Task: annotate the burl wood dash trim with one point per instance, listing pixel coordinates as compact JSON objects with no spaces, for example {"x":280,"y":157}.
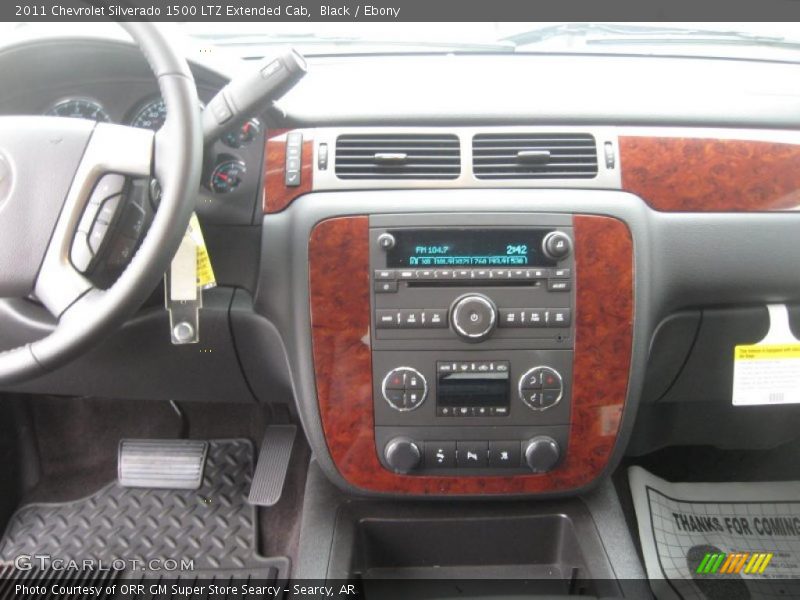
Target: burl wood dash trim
{"x":711,"y":175}
{"x":340,"y":321}
{"x":276,"y":195}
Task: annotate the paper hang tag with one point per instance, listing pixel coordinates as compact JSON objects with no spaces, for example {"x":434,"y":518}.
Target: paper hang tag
{"x":768,"y":373}
{"x":205,"y":272}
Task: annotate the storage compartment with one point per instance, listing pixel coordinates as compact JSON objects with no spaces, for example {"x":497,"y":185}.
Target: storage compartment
{"x":476,"y":551}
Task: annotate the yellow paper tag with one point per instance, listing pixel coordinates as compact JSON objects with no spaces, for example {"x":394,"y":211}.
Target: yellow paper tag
{"x":767,"y":351}
{"x":205,"y":272}
{"x":765,"y":374}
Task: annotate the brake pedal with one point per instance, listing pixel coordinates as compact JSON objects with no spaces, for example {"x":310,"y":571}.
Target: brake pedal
{"x":164,"y":464}
{"x":272,"y":465}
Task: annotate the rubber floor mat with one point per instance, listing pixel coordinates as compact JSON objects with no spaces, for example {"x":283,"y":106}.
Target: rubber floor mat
{"x":209,"y":532}
{"x":718,"y":541}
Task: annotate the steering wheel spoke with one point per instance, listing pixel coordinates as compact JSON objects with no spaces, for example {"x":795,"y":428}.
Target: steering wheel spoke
{"x":100,"y":156}
{"x":113,"y":152}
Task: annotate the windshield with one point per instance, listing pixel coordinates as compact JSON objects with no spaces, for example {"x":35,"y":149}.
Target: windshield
{"x":771,"y":41}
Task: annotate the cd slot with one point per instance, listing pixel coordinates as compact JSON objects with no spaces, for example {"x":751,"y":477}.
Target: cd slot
{"x":475,"y":283}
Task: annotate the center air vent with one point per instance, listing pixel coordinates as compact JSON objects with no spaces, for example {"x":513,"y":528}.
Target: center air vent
{"x":398,"y":156}
{"x":534,"y":156}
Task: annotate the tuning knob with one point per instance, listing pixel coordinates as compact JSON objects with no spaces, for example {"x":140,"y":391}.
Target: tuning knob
{"x":542,"y":453}
{"x":402,"y":454}
{"x":473,"y":317}
{"x":556,"y":245}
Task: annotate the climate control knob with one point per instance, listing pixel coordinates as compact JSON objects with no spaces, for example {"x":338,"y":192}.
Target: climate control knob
{"x":473,"y":317}
{"x":542,"y":453}
{"x":402,"y":455}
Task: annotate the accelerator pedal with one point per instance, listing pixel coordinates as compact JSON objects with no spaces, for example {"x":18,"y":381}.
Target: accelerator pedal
{"x":272,"y":465}
{"x":163,"y":464}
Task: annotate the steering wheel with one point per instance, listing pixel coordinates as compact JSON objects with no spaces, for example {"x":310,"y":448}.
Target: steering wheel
{"x":49,"y":168}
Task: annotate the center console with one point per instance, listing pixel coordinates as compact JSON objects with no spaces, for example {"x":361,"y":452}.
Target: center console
{"x":470,"y":353}
{"x":472,"y":344}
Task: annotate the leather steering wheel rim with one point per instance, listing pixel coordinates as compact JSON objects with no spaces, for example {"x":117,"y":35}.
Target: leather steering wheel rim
{"x":85,"y":313}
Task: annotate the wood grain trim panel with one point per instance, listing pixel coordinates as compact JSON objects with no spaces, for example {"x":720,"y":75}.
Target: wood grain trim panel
{"x":276,"y":195}
{"x":711,"y":175}
{"x":339,"y":296}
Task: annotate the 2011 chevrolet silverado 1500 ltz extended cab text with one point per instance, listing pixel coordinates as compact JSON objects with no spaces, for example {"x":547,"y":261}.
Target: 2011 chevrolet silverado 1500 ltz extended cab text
{"x":399,"y":310}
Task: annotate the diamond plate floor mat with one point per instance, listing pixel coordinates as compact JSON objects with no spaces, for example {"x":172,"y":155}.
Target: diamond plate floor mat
{"x":209,"y":532}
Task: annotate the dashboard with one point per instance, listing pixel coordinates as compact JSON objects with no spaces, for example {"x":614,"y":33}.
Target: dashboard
{"x":460,"y":282}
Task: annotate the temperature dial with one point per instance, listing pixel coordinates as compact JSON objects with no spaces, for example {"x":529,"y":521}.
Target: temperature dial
{"x":227,"y":176}
{"x":404,"y":388}
{"x":541,"y":388}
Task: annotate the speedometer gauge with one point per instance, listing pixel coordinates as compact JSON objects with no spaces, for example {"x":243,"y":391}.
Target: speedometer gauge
{"x":79,"y":108}
{"x":151,"y":116}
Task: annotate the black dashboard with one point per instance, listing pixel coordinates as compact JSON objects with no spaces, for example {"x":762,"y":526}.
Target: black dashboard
{"x":665,"y":148}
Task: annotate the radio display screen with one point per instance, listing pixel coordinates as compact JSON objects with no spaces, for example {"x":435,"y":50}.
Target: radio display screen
{"x":453,"y":248}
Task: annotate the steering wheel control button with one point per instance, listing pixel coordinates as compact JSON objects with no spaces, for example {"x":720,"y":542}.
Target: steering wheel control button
{"x":557,"y":245}
{"x":80,"y":253}
{"x":472,"y":455}
{"x":440,"y":455}
{"x":541,"y":388}
{"x":404,"y":389}
{"x":402,"y":455}
{"x":542,"y":453}
{"x":504,"y":454}
{"x":473,"y":317}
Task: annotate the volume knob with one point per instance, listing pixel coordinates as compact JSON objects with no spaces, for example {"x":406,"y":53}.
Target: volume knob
{"x":542,"y":453}
{"x":473,"y":317}
{"x":402,"y":454}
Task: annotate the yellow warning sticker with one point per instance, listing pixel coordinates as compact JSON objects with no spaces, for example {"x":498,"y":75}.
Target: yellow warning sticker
{"x":767,"y":351}
{"x":205,"y":272}
{"x":765,"y":374}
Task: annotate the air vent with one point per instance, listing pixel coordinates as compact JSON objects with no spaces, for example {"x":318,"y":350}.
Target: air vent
{"x":398,"y":156}
{"x":534,"y":156}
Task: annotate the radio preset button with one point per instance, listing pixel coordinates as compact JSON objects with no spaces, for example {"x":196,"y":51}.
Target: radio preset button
{"x":406,"y":274}
{"x":410,"y":319}
{"x":385,"y":274}
{"x":435,"y":318}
